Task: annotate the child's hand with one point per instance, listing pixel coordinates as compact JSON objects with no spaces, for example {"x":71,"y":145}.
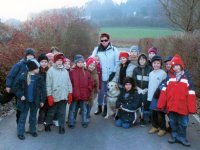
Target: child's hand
{"x":41,"y":104}
{"x":23,"y":98}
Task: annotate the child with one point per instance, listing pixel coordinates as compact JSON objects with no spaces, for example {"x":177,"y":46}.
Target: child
{"x":133,"y":55}
{"x":167,"y":61}
{"x":91,"y":67}
{"x":30,"y":90}
{"x":141,"y":77}
{"x":179,"y":98}
{"x":124,"y":69}
{"x":43,"y":60}
{"x":59,"y":90}
{"x":151,"y":53}
{"x":50,"y":58}
{"x":67,"y":64}
{"x":127,"y":103}
{"x":155,"y":79}
{"x":82,"y":88}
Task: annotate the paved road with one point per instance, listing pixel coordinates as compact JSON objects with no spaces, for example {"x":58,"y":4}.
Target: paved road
{"x":100,"y":135}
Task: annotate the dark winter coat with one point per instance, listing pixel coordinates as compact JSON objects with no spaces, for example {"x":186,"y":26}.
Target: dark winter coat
{"x":14,"y":74}
{"x":130,"y":103}
{"x":81,"y":83}
{"x":39,"y":90}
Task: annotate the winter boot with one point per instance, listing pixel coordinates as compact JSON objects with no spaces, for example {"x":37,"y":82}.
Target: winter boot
{"x":99,"y":111}
{"x":61,"y":130}
{"x":153,"y":130}
{"x":47,"y":127}
{"x":104,"y":111}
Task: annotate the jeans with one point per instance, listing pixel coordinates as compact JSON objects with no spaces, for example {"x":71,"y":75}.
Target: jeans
{"x":178,"y":125}
{"x":60,"y":109}
{"x":120,"y":123}
{"x":32,"y":118}
{"x":72,"y":112}
{"x":102,"y":93}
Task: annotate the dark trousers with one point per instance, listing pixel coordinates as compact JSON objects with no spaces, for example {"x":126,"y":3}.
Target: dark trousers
{"x":43,"y":114}
{"x":178,"y":124}
{"x":32,"y":118}
{"x":158,"y":120}
{"x":60,"y":109}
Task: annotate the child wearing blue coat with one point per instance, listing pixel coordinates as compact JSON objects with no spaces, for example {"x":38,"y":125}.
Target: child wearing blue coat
{"x":127,"y":104}
{"x":30,"y":91}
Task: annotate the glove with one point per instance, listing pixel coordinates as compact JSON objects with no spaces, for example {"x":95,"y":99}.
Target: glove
{"x":144,"y":91}
{"x":140,"y":91}
{"x":70,"y":98}
{"x":50,"y":100}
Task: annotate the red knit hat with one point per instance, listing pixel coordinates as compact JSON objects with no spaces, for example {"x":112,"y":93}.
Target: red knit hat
{"x":176,"y":60}
{"x":58,"y":56}
{"x":123,"y":54}
{"x":153,"y":49}
{"x":91,"y":60}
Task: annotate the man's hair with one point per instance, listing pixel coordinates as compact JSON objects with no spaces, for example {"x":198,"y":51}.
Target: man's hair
{"x":105,"y":35}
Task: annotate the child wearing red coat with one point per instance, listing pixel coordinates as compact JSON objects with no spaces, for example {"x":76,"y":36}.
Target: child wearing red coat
{"x":82,"y":88}
{"x":178,"y":97}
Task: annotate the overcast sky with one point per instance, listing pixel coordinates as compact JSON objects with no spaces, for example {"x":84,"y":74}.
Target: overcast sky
{"x":20,"y":9}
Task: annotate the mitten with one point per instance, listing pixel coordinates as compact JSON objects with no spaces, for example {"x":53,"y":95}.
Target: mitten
{"x":50,"y":100}
{"x":69,"y":101}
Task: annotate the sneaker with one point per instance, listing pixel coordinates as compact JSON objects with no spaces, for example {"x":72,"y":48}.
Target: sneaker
{"x":153,"y":130}
{"x":47,"y":128}
{"x":40,"y":127}
{"x":34,"y":134}
{"x":185,"y":143}
{"x":161,"y":132}
{"x":21,"y":136}
{"x":172,"y":140}
{"x":84,"y":125}
{"x":71,"y":126}
{"x":142,"y":123}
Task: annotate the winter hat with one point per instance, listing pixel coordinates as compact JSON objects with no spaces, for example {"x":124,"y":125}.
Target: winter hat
{"x":167,"y":58}
{"x":155,"y":58}
{"x":176,"y":60}
{"x":30,"y":51}
{"x":153,"y":49}
{"x":58,"y":56}
{"x":32,"y":64}
{"x":123,"y":54}
{"x":129,"y":80}
{"x":144,"y":56}
{"x":54,"y":49}
{"x":91,"y":60}
{"x":66,"y":60}
{"x":42,"y":57}
{"x":50,"y":56}
{"x":134,"y":48}
{"x":78,"y":58}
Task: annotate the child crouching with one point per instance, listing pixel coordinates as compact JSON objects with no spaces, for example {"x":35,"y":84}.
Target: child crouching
{"x":127,"y":103}
{"x":30,"y":89}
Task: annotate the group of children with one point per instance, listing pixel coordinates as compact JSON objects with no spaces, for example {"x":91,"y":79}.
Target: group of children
{"x":50,"y":82}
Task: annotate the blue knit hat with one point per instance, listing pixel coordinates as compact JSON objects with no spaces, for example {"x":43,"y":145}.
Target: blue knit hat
{"x":78,"y":58}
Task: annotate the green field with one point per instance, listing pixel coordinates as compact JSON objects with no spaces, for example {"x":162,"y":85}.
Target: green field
{"x":137,"y":32}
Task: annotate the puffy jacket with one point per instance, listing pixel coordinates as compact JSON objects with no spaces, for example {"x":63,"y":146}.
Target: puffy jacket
{"x":58,"y":83}
{"x":81,"y":83}
{"x":178,"y":96}
{"x":130,"y":103}
{"x":14,"y":74}
{"x":39,"y":90}
{"x":109,"y":59}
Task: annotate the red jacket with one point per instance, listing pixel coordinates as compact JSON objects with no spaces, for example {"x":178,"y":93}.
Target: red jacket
{"x":81,"y":83}
{"x":178,"y":96}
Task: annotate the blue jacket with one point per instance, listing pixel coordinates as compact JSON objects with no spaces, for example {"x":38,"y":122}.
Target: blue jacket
{"x":109,"y":59}
{"x":14,"y":74}
{"x":39,"y":90}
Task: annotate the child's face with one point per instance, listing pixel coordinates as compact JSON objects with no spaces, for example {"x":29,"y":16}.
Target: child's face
{"x":142,"y":61}
{"x":67,"y":65}
{"x":36,"y":71}
{"x":167,"y":65}
{"x":43,"y":63}
{"x":80,"y":64}
{"x":123,"y":60}
{"x":156,"y":65}
{"x":177,"y":68}
{"x":128,"y":86}
{"x":91,"y":67}
{"x":59,"y":63}
{"x":151,"y":54}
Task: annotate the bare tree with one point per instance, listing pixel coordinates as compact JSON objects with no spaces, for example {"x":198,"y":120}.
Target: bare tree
{"x":184,"y":14}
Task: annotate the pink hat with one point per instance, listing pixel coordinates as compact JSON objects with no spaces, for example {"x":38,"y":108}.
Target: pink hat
{"x":153,"y":49}
{"x":66,"y":60}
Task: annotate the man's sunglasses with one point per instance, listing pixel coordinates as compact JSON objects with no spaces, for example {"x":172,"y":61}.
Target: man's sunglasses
{"x":104,"y":40}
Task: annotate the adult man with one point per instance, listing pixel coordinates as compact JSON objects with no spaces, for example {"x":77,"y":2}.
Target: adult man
{"x":109,"y":57}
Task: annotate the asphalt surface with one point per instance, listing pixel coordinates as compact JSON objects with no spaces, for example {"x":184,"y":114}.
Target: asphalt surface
{"x":101,"y":134}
